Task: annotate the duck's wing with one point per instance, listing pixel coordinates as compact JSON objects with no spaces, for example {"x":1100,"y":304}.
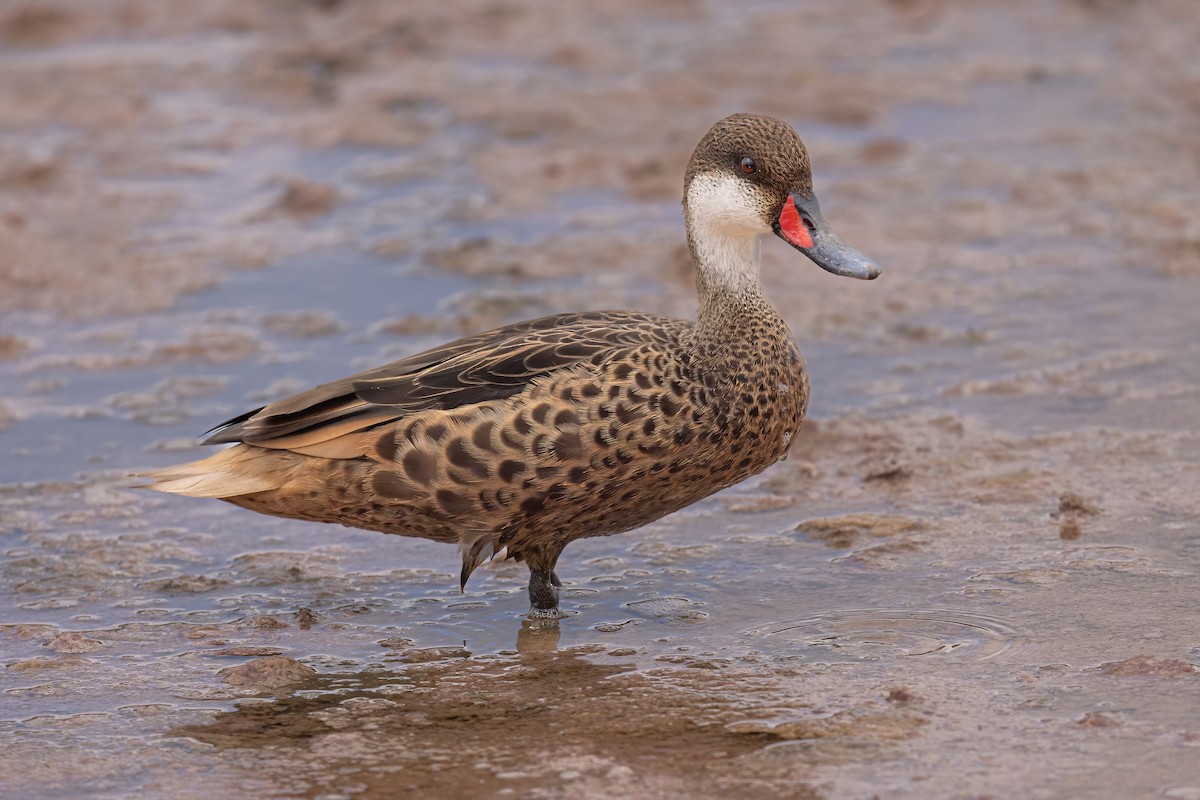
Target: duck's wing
{"x":476,"y":369}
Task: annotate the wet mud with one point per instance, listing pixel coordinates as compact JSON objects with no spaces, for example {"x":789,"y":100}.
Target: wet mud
{"x":976,"y":575}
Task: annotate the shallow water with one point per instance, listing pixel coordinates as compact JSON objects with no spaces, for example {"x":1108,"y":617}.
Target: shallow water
{"x":976,"y":574}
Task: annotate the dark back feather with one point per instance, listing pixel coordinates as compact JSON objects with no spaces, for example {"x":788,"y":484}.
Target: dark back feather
{"x":476,"y":369}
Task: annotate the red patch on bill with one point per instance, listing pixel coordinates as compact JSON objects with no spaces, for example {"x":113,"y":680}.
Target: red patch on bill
{"x":792,"y":227}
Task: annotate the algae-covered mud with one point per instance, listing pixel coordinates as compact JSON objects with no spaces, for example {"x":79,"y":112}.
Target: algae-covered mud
{"x":977,"y":575}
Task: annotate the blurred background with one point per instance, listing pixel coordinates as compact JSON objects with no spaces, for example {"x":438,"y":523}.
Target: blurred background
{"x":976,"y":575}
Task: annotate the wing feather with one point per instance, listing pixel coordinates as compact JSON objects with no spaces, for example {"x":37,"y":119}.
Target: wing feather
{"x":476,"y":369}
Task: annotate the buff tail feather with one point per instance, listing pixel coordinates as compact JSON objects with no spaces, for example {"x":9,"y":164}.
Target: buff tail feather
{"x":238,"y":470}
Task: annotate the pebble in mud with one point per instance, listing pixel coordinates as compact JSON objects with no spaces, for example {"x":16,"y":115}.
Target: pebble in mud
{"x":43,"y":663}
{"x":271,"y":672}
{"x":612,"y":627}
{"x":1072,"y":510}
{"x":421,"y":655}
{"x":901,"y":694}
{"x":73,"y":642}
{"x":395,"y":642}
{"x":839,"y":533}
{"x":1069,"y":530}
{"x":1150,"y":667}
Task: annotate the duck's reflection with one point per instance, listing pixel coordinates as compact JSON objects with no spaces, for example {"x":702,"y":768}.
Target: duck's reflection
{"x":469,"y":727}
{"x":460,"y":727}
{"x":538,"y":636}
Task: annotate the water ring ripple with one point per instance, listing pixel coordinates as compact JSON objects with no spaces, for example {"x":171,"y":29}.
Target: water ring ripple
{"x":870,"y":634}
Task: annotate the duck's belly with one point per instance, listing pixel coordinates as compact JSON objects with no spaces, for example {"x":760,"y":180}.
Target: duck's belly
{"x":327,"y":490}
{"x":698,"y":454}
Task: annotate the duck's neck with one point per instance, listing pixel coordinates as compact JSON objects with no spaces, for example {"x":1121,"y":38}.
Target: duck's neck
{"x":726,"y":279}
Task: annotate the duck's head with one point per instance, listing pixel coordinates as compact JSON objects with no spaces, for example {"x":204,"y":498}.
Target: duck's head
{"x":749,"y":176}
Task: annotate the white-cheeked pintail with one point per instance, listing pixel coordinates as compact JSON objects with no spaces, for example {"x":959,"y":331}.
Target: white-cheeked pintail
{"x":530,"y":436}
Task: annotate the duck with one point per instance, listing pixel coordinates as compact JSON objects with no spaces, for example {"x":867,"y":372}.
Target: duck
{"x":520,"y":440}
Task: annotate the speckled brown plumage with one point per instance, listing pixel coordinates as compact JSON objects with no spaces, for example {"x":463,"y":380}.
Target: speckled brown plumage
{"x":530,"y":436}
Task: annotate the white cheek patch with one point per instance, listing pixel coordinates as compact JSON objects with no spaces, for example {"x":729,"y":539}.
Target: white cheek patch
{"x":725,"y":223}
{"x":725,"y":205}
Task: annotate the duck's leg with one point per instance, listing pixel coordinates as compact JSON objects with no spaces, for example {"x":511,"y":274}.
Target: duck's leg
{"x":544,"y":587}
{"x":543,"y":595}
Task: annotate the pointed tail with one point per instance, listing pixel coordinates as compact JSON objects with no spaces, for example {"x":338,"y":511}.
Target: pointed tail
{"x":238,"y":470}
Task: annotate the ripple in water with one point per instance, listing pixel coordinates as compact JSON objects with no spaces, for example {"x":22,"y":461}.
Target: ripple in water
{"x":871,"y":634}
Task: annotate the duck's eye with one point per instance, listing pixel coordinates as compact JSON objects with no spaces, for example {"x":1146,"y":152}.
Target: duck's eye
{"x":748,"y":165}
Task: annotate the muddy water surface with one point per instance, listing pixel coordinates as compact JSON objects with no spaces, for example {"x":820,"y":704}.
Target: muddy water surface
{"x":976,"y":575}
